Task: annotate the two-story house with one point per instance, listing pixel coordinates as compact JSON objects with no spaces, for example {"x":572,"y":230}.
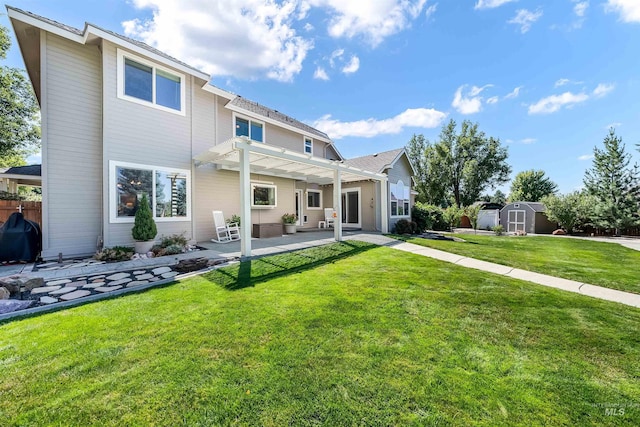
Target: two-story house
{"x":120,"y":118}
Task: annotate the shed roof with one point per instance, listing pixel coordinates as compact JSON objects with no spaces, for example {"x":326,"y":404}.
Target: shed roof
{"x":535,"y":206}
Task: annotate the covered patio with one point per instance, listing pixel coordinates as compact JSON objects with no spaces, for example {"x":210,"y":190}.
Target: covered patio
{"x":245,"y":156}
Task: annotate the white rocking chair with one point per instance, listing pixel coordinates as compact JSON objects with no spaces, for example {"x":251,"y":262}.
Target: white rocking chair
{"x":329,"y":217}
{"x":225,"y":232}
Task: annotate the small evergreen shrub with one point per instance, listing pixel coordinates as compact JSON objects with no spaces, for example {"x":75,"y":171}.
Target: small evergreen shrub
{"x":173,"y":250}
{"x":498,"y":229}
{"x":144,"y":227}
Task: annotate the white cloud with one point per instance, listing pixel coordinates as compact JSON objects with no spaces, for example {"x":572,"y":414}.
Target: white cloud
{"x":320,"y":74}
{"x":528,"y":141}
{"x":553,"y":103}
{"x":513,"y":94}
{"x":585,"y":157}
{"x":372,"y":20}
{"x":412,"y":117}
{"x":603,"y":89}
{"x":187,"y":30}
{"x":613,"y":125}
{"x":580,"y":8}
{"x":470,"y":102}
{"x":431,"y":10}
{"x":490,"y":4}
{"x":629,"y":10}
{"x":525,"y":18}
{"x":352,"y":66}
{"x":308,"y":27}
{"x":562,"y":82}
{"x":493,"y":100}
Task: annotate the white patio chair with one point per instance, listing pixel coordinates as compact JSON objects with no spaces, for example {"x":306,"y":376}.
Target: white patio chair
{"x":225,"y":232}
{"x":329,"y":217}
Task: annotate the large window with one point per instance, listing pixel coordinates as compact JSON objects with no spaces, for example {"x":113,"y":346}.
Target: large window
{"x":314,"y":199}
{"x":168,"y":191}
{"x":145,"y":83}
{"x":250,"y":128}
{"x":400,"y":199}
{"x":263,"y":196}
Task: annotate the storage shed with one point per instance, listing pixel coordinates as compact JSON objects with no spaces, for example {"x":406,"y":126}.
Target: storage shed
{"x":526,"y":216}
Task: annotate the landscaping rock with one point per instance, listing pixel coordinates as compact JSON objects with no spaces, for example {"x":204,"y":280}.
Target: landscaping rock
{"x":78,"y":283}
{"x":96,"y":277}
{"x":160,"y":270}
{"x":139,"y":272}
{"x":58,"y":282}
{"x":559,"y":232}
{"x":12,"y":284}
{"x":144,"y":277}
{"x":11,"y":305}
{"x":105,"y":289}
{"x":75,"y":295}
{"x":169,"y":274}
{"x":98,"y":281}
{"x":137,"y":283}
{"x":119,"y":282}
{"x":64,"y":290}
{"x":4,"y":293}
{"x":44,"y":290}
{"x":93,"y":285}
{"x":48,"y":300}
{"x":189,"y":265}
{"x":35,"y":282}
{"x":118,"y":276}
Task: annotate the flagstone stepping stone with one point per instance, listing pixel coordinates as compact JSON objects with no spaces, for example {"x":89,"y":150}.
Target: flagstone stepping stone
{"x":58,"y":282}
{"x":169,"y":274}
{"x":44,"y":289}
{"x":75,"y":295}
{"x":11,"y":305}
{"x":48,"y":300}
{"x":92,"y":285}
{"x":64,"y":290}
{"x":144,"y":276}
{"x":98,"y":281}
{"x":137,"y":273}
{"x":78,"y":283}
{"x":137,"y":283}
{"x":154,"y":279}
{"x":104,"y":289}
{"x":96,"y":277}
{"x":160,"y":270}
{"x":119,"y":282}
{"x":118,"y":276}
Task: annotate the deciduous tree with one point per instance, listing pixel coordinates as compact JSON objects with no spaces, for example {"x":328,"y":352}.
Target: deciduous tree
{"x":531,"y":186}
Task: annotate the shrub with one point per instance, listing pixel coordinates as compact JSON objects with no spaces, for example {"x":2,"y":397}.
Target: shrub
{"x":144,"y":227}
{"x":173,"y":250}
{"x":451,"y":216}
{"x":289,"y":218}
{"x":428,"y":217}
{"x":116,"y":253}
{"x":404,"y":226}
{"x":174,"y":239}
{"x":498,"y":229}
{"x":234,"y":218}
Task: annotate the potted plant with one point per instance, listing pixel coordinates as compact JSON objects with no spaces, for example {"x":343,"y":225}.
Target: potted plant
{"x":144,"y":228}
{"x":289,"y":221}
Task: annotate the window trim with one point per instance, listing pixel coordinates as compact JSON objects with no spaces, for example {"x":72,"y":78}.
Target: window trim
{"x":306,"y":139}
{"x":250,"y":119}
{"x":122,"y":55}
{"x":400,"y":201}
{"x":275,"y":195}
{"x":310,"y":208}
{"x":113,"y":194}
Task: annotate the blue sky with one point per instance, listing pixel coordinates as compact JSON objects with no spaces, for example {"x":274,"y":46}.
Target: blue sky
{"x":547,"y":77}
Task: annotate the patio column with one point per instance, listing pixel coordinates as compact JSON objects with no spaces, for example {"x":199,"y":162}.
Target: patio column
{"x":384,"y":206}
{"x":337,"y":204}
{"x":245,"y":203}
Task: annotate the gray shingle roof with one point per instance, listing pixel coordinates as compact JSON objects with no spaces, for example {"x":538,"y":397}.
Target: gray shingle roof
{"x":33,"y":170}
{"x":536,"y":206}
{"x":261,"y":110}
{"x":375,"y":162}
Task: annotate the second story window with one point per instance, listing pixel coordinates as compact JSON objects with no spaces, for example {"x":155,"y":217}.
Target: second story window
{"x":308,"y":145}
{"x":249,"y":128}
{"x":145,"y":83}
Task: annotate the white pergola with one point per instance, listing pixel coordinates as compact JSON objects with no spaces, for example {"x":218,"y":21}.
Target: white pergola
{"x":246,"y":156}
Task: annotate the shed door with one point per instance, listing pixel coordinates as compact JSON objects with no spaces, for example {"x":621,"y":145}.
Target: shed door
{"x":516,"y":221}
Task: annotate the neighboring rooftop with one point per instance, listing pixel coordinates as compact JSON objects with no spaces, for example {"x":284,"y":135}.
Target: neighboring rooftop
{"x":536,"y":206}
{"x":377,"y":162}
{"x":31,"y":170}
{"x":256,"y":108}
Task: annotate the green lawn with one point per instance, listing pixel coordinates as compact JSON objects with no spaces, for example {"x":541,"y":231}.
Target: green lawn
{"x":597,"y":263}
{"x":345,"y":334}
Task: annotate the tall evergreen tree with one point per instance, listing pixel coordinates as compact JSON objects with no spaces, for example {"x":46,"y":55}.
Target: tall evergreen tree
{"x":614,"y":184}
{"x":416,"y":150}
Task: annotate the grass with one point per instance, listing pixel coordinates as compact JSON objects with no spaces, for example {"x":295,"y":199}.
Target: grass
{"x":344,"y":334}
{"x":598,"y":263}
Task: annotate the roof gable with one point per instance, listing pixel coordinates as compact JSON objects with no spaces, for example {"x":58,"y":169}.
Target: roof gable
{"x":380,"y":162}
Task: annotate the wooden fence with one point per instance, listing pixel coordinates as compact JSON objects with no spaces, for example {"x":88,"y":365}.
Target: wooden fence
{"x":31,"y":210}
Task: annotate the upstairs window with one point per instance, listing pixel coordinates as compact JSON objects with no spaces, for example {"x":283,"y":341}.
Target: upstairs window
{"x":144,"y":83}
{"x":250,"y":128}
{"x":308,"y":145}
